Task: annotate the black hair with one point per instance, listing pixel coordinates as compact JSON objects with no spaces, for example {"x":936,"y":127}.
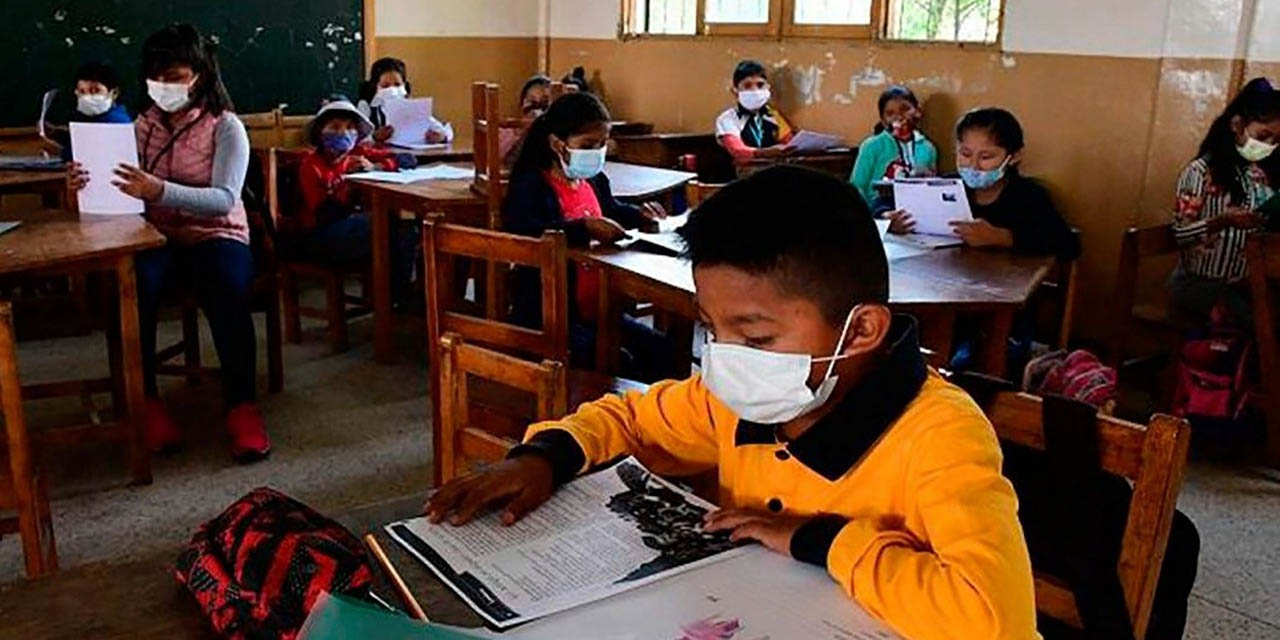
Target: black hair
{"x":829,"y":250}
{"x":1001,"y":125}
{"x":538,"y":80}
{"x":369,"y":87}
{"x":182,"y":45}
{"x":896,"y":92}
{"x":570,"y":114}
{"x":746,"y":69}
{"x":578,"y":78}
{"x":99,"y":72}
{"x":1258,"y":101}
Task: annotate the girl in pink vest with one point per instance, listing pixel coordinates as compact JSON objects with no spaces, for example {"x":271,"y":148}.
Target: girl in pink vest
{"x":194,"y":153}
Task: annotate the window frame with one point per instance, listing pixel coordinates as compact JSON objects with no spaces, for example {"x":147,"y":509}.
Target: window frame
{"x":782,"y":25}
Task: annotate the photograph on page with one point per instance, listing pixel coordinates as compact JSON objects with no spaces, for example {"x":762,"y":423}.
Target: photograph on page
{"x":600,"y":535}
{"x":934,"y":203}
{"x":100,"y":148}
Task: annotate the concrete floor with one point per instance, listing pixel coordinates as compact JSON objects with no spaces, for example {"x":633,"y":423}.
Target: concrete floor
{"x":349,"y":432}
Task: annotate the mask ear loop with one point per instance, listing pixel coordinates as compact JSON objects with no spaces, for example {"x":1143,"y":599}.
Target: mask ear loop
{"x":835,"y":355}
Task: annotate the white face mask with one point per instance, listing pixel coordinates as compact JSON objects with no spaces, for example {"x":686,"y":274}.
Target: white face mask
{"x":767,"y":387}
{"x":386,"y":94}
{"x":1255,"y":150}
{"x":170,"y":97}
{"x":93,"y":104}
{"x":755,"y":99}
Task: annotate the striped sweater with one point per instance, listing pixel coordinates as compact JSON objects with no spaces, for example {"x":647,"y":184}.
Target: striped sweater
{"x":1214,"y":255}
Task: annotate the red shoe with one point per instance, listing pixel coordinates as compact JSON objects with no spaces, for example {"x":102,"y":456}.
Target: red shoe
{"x":249,"y":442}
{"x":161,"y":432}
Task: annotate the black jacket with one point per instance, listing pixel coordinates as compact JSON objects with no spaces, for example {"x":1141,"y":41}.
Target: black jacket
{"x":531,"y":207}
{"x":1025,"y":208}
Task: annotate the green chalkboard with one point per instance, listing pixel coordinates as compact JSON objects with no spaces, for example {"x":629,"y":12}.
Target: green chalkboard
{"x":272,"y":52}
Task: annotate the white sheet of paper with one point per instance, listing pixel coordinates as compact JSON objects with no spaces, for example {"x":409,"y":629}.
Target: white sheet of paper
{"x":758,"y":594}
{"x":933,"y":203}
{"x":44,"y":111}
{"x":421,"y":174}
{"x":809,"y":141}
{"x":410,"y":117}
{"x":100,"y":148}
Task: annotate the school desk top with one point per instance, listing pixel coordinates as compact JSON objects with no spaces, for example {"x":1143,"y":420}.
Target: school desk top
{"x":52,"y":238}
{"x":638,"y":182}
{"x":12,"y":180}
{"x":628,"y":180}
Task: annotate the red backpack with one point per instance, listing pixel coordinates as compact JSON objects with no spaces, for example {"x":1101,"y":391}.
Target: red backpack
{"x":258,"y":568}
{"x":1217,"y":372}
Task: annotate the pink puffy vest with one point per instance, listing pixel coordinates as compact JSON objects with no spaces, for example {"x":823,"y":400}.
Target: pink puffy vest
{"x":188,"y":162}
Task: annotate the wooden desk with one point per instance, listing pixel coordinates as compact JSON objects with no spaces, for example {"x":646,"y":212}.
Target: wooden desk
{"x":665,"y":150}
{"x":141,"y":599}
{"x":638,"y":183}
{"x":64,"y":245}
{"x":50,"y":185}
{"x":933,"y":286}
{"x":449,"y":153}
{"x":836,"y":162}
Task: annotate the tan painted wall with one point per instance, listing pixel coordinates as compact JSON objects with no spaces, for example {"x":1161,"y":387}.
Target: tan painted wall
{"x":1109,"y":135}
{"x":445,"y":67}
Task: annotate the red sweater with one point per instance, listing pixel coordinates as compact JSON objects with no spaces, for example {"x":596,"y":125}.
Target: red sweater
{"x":323,"y":179}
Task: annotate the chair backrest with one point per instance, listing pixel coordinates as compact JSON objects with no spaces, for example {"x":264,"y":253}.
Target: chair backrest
{"x":696,"y":192}
{"x":466,"y":428}
{"x":1263,"y":252}
{"x":1138,"y":245}
{"x":558,"y":89}
{"x":264,"y":129}
{"x":443,"y":243}
{"x":1153,"y":457}
{"x":281,"y":180}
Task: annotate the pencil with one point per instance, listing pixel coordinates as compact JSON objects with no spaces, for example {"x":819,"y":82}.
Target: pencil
{"x":397,"y":582}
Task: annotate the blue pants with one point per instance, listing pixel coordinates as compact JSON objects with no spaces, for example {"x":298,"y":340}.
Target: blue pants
{"x":220,"y":273}
{"x":345,"y":243}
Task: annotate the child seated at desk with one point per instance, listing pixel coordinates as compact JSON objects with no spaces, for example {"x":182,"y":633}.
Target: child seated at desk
{"x":753,"y":128}
{"x":558,"y":182}
{"x":97,"y":92}
{"x":1010,"y":211}
{"x":388,"y":80}
{"x":898,"y":149}
{"x":329,"y":227}
{"x":835,"y":443}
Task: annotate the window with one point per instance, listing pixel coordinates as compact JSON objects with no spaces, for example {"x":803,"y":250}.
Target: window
{"x":919,"y":20}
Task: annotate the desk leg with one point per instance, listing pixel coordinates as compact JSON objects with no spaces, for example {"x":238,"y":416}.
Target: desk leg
{"x":994,"y":351}
{"x":131,"y":370}
{"x":606,"y":325}
{"x":936,"y":333}
{"x":383,"y":324}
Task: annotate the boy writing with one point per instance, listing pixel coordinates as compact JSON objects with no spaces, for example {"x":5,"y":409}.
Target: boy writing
{"x":834,"y":443}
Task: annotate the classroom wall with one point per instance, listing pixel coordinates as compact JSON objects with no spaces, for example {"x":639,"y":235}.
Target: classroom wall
{"x":1114,"y":95}
{"x":448,"y":44}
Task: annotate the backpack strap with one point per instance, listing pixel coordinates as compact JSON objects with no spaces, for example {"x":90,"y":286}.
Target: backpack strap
{"x":1071,"y":448}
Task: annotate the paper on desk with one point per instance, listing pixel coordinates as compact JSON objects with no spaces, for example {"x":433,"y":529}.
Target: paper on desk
{"x":100,"y":148}
{"x":665,"y":239}
{"x":44,"y":111}
{"x":933,"y":203}
{"x":434,"y":172}
{"x":410,"y":117}
{"x":808,"y":141}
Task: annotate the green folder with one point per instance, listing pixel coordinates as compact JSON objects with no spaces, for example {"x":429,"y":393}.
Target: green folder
{"x":337,"y":617}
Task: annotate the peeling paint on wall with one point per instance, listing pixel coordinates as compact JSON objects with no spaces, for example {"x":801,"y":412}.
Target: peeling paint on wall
{"x":1206,"y":90}
{"x":808,"y":83}
{"x":936,"y":83}
{"x":1008,"y":61}
{"x":868,"y":76}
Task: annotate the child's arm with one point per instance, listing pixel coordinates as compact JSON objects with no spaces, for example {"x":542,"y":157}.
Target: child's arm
{"x":972,"y":577}
{"x":230,"y":164}
{"x":670,"y":428}
{"x":382,"y":159}
{"x":865,"y":169}
{"x":627,"y":215}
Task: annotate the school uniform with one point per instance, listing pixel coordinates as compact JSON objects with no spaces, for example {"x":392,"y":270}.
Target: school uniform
{"x":901,"y":482}
{"x":1212,"y":267}
{"x":741,"y":132}
{"x":1025,"y":208}
{"x":884,"y":157}
{"x":117,"y":114}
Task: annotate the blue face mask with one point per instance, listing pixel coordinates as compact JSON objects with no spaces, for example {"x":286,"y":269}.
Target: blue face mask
{"x":339,"y":143}
{"x":978,"y":179}
{"x":584,"y":164}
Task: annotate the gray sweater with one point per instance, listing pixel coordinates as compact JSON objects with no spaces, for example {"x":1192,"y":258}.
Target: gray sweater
{"x":230,"y":164}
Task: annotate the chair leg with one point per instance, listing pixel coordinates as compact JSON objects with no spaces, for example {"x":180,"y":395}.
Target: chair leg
{"x":275,"y":350}
{"x":336,"y":310}
{"x":289,"y":300}
{"x":191,"y":343}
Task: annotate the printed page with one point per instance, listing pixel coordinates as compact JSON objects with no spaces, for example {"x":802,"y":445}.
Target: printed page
{"x":100,"y":148}
{"x":410,"y":118}
{"x":933,"y":203}
{"x":810,"y":142}
{"x":602,"y":534}
{"x":756,"y":595}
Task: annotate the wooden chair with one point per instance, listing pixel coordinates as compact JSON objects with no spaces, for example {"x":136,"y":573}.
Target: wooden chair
{"x":696,"y":192}
{"x":1153,"y":457}
{"x":280,"y":175}
{"x":463,"y":442}
{"x":443,"y":245}
{"x":1138,"y":245}
{"x":1064,"y":285}
{"x":264,"y":129}
{"x":22,"y":488}
{"x":1264,"y":276}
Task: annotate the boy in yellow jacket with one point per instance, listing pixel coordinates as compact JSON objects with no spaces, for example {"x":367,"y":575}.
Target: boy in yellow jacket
{"x":834,"y":443}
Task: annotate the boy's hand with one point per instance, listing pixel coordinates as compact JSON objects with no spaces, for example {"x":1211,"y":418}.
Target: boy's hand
{"x":776,"y":151}
{"x":900,"y":222}
{"x":138,"y":183}
{"x":981,"y":233}
{"x":383,"y":134}
{"x":360,"y":164}
{"x":77,"y":177}
{"x":772,"y":531}
{"x":605,"y":230}
{"x":524,"y":482}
